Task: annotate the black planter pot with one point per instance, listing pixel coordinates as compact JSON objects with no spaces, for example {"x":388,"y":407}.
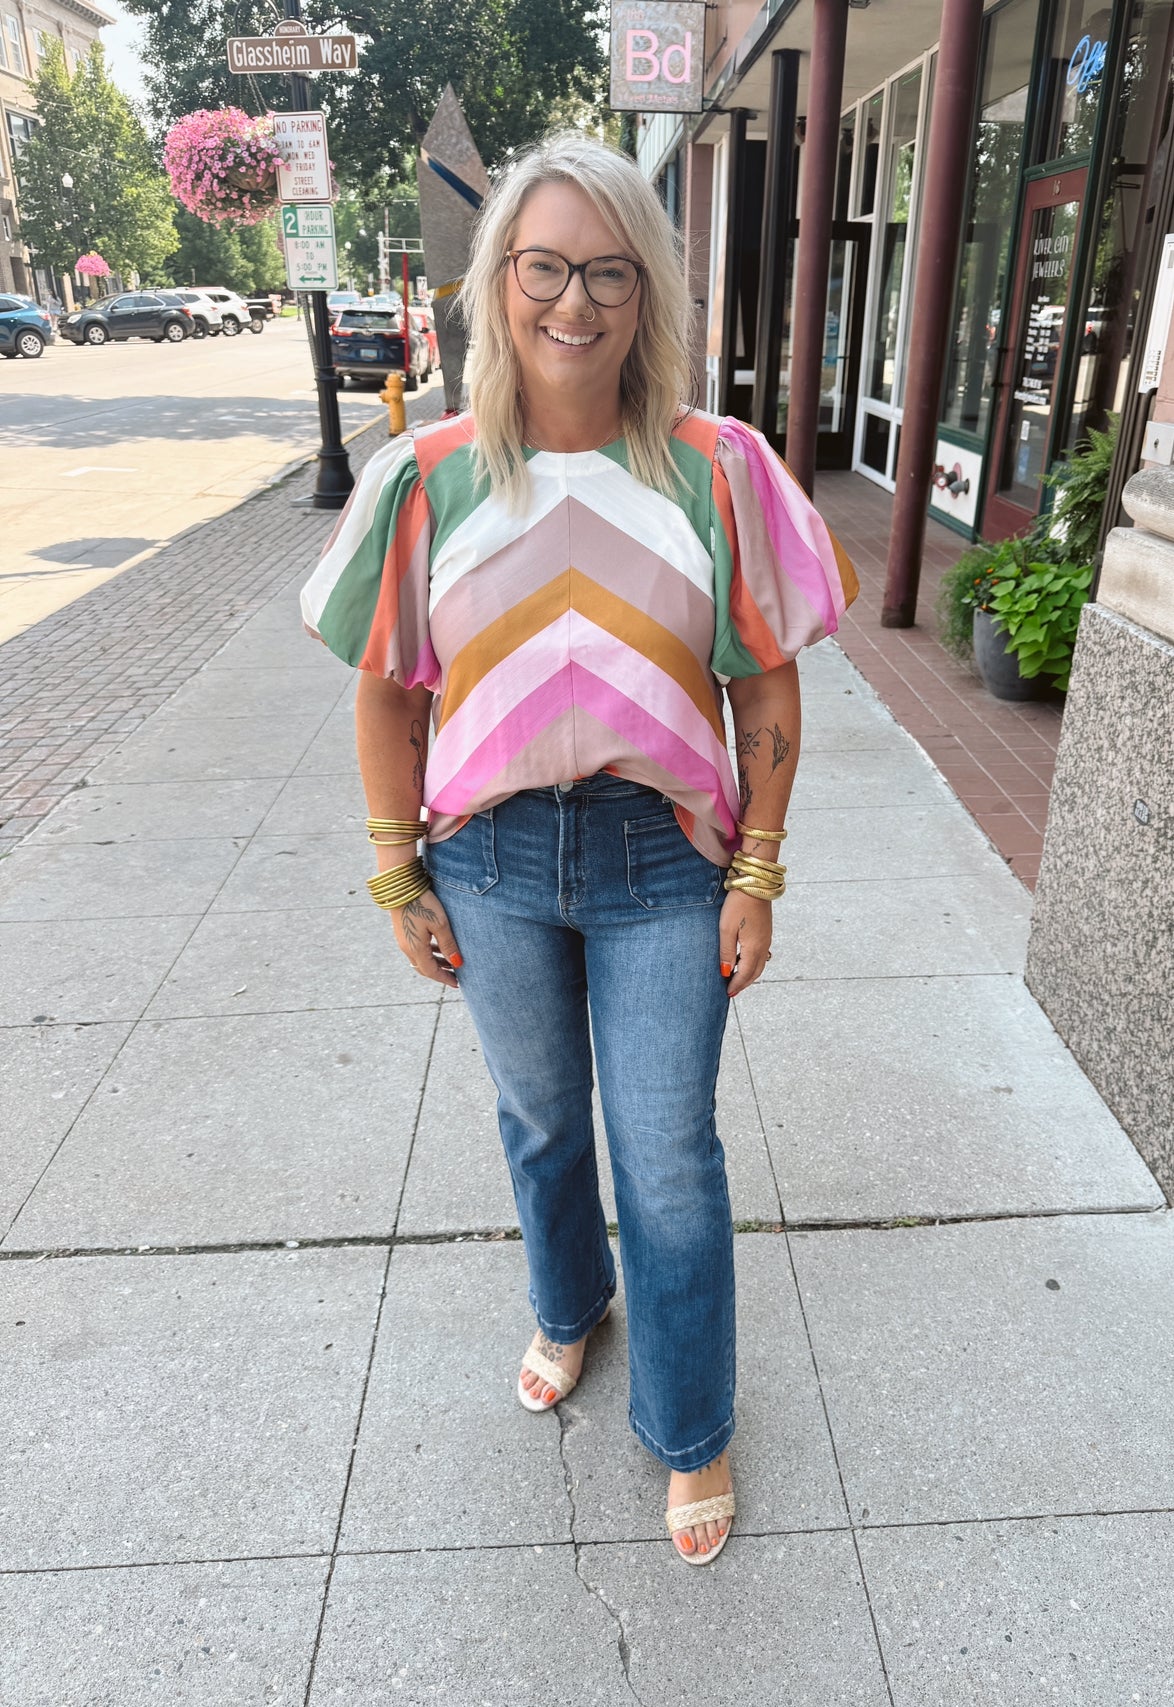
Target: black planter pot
{"x":999,"y":668}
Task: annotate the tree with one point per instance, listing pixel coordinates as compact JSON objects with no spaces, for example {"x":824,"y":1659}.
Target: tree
{"x":513,"y":64}
{"x":118,"y":203}
{"x":244,"y":259}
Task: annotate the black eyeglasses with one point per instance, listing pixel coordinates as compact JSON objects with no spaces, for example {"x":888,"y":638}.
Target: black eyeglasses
{"x":542,"y":275}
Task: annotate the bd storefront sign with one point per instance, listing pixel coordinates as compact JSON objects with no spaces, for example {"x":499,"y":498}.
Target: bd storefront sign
{"x":657,"y":56}
{"x":1086,"y":64}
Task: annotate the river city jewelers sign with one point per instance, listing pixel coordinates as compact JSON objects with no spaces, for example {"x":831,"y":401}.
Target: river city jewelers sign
{"x":305,"y":174}
{"x":657,"y":56}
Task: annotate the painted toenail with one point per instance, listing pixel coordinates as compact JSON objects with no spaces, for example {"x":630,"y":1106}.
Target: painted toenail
{"x":704,"y":1547}
{"x":550,"y":1394}
{"x":687,"y":1544}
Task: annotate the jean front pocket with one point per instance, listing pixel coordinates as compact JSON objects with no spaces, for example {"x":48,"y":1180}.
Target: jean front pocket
{"x":664,"y":868}
{"x":465,"y":860}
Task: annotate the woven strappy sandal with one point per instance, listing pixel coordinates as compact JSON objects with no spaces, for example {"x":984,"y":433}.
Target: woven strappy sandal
{"x":551,"y":1374}
{"x":701,"y":1511}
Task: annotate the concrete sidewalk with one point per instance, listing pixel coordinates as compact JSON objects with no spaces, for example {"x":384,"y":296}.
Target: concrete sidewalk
{"x":264,"y":1302}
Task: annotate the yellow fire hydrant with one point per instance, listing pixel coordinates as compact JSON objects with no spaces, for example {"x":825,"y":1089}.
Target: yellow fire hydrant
{"x":393,"y":395}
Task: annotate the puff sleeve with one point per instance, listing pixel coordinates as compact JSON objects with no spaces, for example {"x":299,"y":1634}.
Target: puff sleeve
{"x":368,"y":598}
{"x":782,"y":580}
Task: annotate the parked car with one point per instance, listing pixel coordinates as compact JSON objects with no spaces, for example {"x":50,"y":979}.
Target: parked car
{"x":263,"y":307}
{"x":25,"y":328}
{"x":370,"y":342}
{"x":337,"y":300}
{"x":234,"y":310}
{"x":133,"y":314}
{"x":423,"y":322}
{"x":207,"y":321}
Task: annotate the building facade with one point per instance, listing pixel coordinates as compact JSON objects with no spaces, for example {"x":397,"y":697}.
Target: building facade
{"x":1065,"y":194}
{"x":26,"y":28}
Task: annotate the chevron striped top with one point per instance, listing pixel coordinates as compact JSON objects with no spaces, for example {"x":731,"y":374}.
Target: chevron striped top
{"x":591,"y":631}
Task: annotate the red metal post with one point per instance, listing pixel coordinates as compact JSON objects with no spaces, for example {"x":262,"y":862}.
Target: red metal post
{"x":821,"y":151}
{"x":407,"y":324}
{"x":947,"y":168}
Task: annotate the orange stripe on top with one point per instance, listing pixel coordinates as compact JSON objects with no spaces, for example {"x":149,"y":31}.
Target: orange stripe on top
{"x":571,"y":590}
{"x":413,"y":525}
{"x":848,"y":577}
{"x":699,"y":433}
{"x":438,"y":440}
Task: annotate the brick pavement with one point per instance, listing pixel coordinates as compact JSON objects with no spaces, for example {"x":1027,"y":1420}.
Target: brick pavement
{"x":997,"y":757}
{"x":77,"y":683}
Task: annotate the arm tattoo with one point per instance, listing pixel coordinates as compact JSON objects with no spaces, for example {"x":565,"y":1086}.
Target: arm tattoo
{"x":745,"y":792}
{"x":748,"y":742}
{"x":780,"y":748}
{"x":416,"y":739}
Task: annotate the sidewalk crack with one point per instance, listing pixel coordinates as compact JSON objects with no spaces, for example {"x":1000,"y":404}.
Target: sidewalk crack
{"x":565,"y":1423}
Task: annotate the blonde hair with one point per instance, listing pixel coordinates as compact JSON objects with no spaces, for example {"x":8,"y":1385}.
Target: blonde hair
{"x":656,"y":376}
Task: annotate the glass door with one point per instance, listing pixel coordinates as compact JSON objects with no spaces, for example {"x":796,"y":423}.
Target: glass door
{"x":843,"y":337}
{"x":1030,"y":356}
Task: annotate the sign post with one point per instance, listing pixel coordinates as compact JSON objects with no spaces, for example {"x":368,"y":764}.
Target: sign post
{"x":311,"y":259}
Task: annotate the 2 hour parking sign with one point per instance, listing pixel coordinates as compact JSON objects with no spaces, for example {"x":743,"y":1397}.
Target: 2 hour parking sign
{"x":311,"y":257}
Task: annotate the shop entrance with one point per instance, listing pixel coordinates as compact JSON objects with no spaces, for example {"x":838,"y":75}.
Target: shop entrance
{"x":1030,"y":355}
{"x":843,"y":337}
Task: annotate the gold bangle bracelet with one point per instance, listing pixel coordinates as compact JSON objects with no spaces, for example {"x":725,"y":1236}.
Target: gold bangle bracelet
{"x":760,"y":892}
{"x":413,"y":827}
{"x":378,"y":840}
{"x":748,"y":865}
{"x":762,"y":835}
{"x":400,"y":884}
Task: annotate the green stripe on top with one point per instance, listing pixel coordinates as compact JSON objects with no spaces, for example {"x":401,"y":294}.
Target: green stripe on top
{"x":350,"y":609}
{"x":452,"y":493}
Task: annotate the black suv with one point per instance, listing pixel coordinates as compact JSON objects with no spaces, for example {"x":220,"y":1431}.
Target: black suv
{"x":134,"y":314}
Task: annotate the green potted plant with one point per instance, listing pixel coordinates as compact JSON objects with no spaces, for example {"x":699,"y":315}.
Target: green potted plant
{"x":1022,"y":597}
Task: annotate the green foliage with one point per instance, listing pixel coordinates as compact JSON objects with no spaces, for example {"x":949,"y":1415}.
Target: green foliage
{"x":1036,"y":586}
{"x":516,"y":66}
{"x":1081,"y":485}
{"x":1039,"y":612}
{"x":120,"y":203}
{"x":246,"y":259}
{"x":967,"y":587}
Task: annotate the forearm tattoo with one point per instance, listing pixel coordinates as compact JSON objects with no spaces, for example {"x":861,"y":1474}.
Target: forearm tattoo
{"x":748,"y":742}
{"x":416,"y":738}
{"x":780,"y":747}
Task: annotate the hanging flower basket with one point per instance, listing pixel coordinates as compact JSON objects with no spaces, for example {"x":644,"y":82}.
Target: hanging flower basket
{"x":91,"y":266}
{"x":223,"y":165}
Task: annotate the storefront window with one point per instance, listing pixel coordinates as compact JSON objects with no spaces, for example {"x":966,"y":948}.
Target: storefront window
{"x":1106,"y":335}
{"x":1075,"y":76}
{"x":986,"y":242}
{"x":844,"y":164}
{"x":892,"y":234}
{"x":1051,"y":238}
{"x":870,"y":154}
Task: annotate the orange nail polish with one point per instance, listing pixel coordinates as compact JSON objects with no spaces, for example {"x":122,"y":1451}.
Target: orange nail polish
{"x":687,"y":1544}
{"x":704,"y":1547}
{"x":550,"y":1395}
{"x":456,"y":960}
{"x":727,"y":968}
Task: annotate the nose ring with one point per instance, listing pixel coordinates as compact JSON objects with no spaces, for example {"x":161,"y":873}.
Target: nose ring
{"x":591,"y":314}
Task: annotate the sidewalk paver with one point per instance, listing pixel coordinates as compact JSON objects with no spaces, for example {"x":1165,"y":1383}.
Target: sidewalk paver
{"x":179,"y":1409}
{"x":278,"y":1392}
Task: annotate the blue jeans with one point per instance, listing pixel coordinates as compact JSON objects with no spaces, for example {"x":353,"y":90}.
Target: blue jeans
{"x":586,"y":913}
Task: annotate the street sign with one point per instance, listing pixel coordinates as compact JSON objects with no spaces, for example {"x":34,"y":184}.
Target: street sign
{"x":305,"y":176}
{"x":291,"y":48}
{"x":657,"y":56}
{"x":311,"y":258}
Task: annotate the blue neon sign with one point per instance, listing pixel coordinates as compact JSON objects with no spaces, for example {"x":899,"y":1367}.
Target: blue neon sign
{"x":1086,"y":64}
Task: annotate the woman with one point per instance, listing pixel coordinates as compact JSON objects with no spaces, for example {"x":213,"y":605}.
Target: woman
{"x":544,"y":595}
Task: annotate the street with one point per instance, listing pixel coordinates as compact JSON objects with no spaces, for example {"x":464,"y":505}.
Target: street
{"x":106,"y":454}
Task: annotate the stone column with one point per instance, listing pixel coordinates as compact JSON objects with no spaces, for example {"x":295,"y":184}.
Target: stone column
{"x":1101,"y":954}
